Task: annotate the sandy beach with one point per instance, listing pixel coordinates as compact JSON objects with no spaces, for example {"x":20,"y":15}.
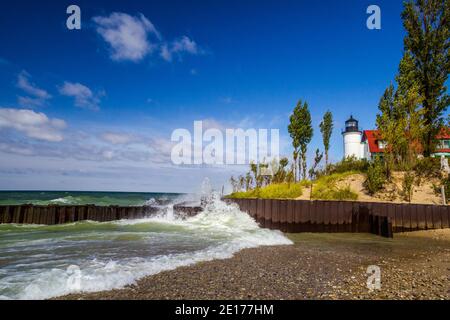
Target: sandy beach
{"x":413,"y":265}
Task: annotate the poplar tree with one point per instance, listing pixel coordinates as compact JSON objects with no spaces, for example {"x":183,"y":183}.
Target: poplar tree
{"x":301,"y":131}
{"x":427,"y":24}
{"x":326,"y":128}
{"x":293,"y":129}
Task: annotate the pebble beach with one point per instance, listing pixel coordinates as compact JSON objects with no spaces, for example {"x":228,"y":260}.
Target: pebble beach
{"x":413,"y":265}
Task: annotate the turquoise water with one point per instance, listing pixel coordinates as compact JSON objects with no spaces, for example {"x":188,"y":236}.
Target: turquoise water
{"x":38,"y":262}
{"x":84,"y":197}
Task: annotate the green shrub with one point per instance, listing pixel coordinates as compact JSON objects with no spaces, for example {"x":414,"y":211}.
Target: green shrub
{"x":407,"y":185}
{"x":376,"y":176}
{"x":346,"y":165}
{"x":272,"y":191}
{"x":446,"y":183}
{"x":344,"y":193}
{"x":428,"y":167}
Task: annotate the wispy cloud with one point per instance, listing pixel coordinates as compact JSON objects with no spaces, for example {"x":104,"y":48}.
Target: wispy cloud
{"x":132,"y":38}
{"x":28,"y":102}
{"x":24,"y":83}
{"x":33,"y":124}
{"x":179,"y":47}
{"x":84,"y":97}
{"x":36,"y":96}
{"x":14,"y":149}
{"x":117,"y":138}
{"x":127,"y":36}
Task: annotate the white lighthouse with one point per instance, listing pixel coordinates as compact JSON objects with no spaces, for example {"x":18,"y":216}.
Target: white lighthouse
{"x":352,"y":139}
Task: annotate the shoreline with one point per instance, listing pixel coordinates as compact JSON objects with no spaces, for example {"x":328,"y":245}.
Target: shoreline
{"x":414,"y":265}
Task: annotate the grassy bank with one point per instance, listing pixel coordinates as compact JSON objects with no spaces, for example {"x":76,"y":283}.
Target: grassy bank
{"x":327,"y":188}
{"x":273,"y":191}
{"x":324,"y":188}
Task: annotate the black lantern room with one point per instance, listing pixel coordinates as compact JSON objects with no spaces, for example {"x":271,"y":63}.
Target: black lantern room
{"x":351,"y":125}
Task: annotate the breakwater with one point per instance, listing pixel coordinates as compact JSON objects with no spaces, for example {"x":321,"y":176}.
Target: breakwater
{"x":56,"y":214}
{"x":344,"y":216}
{"x":294,"y":216}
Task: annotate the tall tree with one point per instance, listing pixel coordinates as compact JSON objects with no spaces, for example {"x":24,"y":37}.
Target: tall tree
{"x":388,"y":123}
{"x":293,"y":132}
{"x":241,"y":182}
{"x":234,"y":184}
{"x":305,"y":135}
{"x":248,"y":181}
{"x":408,"y":100}
{"x":400,"y":122}
{"x":326,"y":128}
{"x":301,"y":131}
{"x":427,"y":23}
{"x":313,"y":171}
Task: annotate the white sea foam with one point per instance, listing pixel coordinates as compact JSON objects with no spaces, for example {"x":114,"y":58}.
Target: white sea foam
{"x":150,"y":202}
{"x":231,"y":229}
{"x":65,"y":200}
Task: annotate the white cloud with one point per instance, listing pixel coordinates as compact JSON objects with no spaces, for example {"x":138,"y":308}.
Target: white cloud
{"x":28,"y":102}
{"x":84,"y":97}
{"x":38,"y":95}
{"x":132,"y":38}
{"x":165,"y":52}
{"x":162,"y":149}
{"x":178,"y":47}
{"x":108,"y":154}
{"x":185,"y":45}
{"x":33,"y":124}
{"x":117,"y":138}
{"x":15,"y":150}
{"x":212,"y":123}
{"x":127,"y":36}
{"x":23,"y":82}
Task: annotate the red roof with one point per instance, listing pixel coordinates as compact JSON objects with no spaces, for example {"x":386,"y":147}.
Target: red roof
{"x":372,"y":137}
{"x":372,"y":140}
{"x":443,"y":134}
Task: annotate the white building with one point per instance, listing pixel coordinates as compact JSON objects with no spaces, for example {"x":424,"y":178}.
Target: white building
{"x":353,"y":146}
{"x":361,"y":144}
{"x":365,"y":144}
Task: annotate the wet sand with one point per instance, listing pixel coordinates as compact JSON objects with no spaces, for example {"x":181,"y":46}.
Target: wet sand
{"x":413,"y":265}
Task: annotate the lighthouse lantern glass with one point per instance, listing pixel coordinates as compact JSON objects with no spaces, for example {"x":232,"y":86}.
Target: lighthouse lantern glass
{"x":351,"y":125}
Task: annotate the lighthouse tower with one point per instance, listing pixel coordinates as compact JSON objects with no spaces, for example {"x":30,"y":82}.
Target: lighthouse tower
{"x":352,"y":139}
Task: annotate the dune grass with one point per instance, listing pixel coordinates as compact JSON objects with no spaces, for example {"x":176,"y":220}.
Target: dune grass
{"x":326,"y":188}
{"x":273,"y":191}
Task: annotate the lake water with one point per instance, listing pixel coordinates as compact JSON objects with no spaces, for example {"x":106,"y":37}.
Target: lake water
{"x":38,"y":261}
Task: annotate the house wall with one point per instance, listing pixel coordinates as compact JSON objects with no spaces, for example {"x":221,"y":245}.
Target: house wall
{"x":365,"y":154}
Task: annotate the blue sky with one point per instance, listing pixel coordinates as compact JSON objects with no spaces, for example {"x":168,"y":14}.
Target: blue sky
{"x":93,"y":109}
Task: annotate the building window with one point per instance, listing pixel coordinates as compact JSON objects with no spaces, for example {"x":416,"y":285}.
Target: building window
{"x":444,"y":144}
{"x":381,"y":144}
